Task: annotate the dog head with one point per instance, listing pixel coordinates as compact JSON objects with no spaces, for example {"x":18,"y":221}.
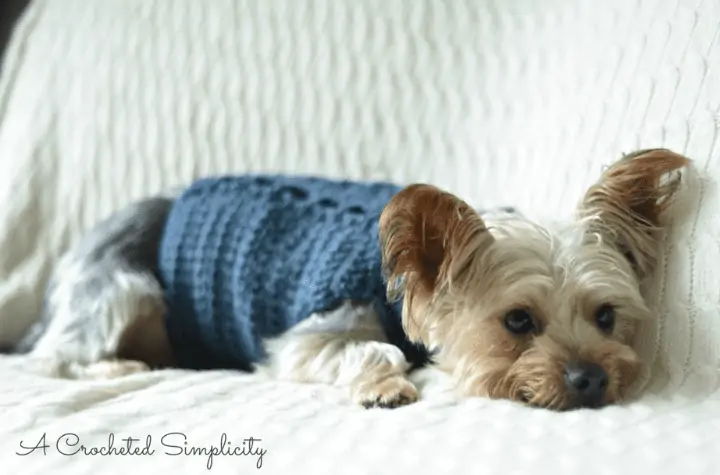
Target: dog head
{"x":518,"y":311}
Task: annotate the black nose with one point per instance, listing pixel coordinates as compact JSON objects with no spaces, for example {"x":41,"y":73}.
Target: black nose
{"x":586,"y":383}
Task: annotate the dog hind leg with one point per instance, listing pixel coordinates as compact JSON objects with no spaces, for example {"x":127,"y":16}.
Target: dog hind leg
{"x":104,"y":305}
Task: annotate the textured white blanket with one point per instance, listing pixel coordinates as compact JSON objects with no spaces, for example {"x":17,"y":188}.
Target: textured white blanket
{"x":515,"y":102}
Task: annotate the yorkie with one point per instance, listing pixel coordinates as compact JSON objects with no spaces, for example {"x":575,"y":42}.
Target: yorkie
{"x":358,"y":283}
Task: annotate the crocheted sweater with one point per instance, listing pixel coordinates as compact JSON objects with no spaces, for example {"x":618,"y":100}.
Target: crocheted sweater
{"x":244,"y":258}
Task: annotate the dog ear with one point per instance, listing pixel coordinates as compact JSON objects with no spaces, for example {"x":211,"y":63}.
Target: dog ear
{"x":429,"y":239}
{"x":624,"y":207}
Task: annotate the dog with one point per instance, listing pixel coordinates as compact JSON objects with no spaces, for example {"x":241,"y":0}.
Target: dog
{"x":509,"y":308}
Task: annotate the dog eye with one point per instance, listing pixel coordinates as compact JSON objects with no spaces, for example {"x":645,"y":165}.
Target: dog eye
{"x":605,"y":318}
{"x":519,"y":321}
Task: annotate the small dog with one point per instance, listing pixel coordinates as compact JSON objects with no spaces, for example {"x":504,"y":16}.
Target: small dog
{"x":509,"y":308}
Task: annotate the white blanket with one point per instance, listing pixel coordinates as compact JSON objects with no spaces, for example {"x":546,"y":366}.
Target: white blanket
{"x":505,"y":102}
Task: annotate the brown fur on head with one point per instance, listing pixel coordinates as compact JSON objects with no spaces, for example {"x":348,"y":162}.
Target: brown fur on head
{"x":466,"y":281}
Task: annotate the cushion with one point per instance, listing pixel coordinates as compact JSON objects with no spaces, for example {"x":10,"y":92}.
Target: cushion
{"x":504,"y":103}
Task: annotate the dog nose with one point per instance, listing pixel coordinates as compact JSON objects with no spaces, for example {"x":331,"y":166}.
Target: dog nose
{"x":587,"y":383}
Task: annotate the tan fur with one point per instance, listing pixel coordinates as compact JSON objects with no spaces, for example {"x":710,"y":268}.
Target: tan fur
{"x":459,"y":274}
{"x":145,"y":339}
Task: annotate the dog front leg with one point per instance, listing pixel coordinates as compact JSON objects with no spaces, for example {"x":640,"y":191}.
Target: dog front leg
{"x":346,"y":347}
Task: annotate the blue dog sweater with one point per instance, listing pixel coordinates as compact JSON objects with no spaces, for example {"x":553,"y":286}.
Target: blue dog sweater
{"x":243,"y":258}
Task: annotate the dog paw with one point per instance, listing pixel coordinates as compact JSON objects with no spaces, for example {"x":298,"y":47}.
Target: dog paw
{"x":106,"y":369}
{"x":125,"y":368}
{"x":389,"y":393}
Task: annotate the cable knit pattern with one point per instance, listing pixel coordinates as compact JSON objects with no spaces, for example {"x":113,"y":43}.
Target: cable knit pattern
{"x":505,"y":102}
{"x":246,"y":258}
